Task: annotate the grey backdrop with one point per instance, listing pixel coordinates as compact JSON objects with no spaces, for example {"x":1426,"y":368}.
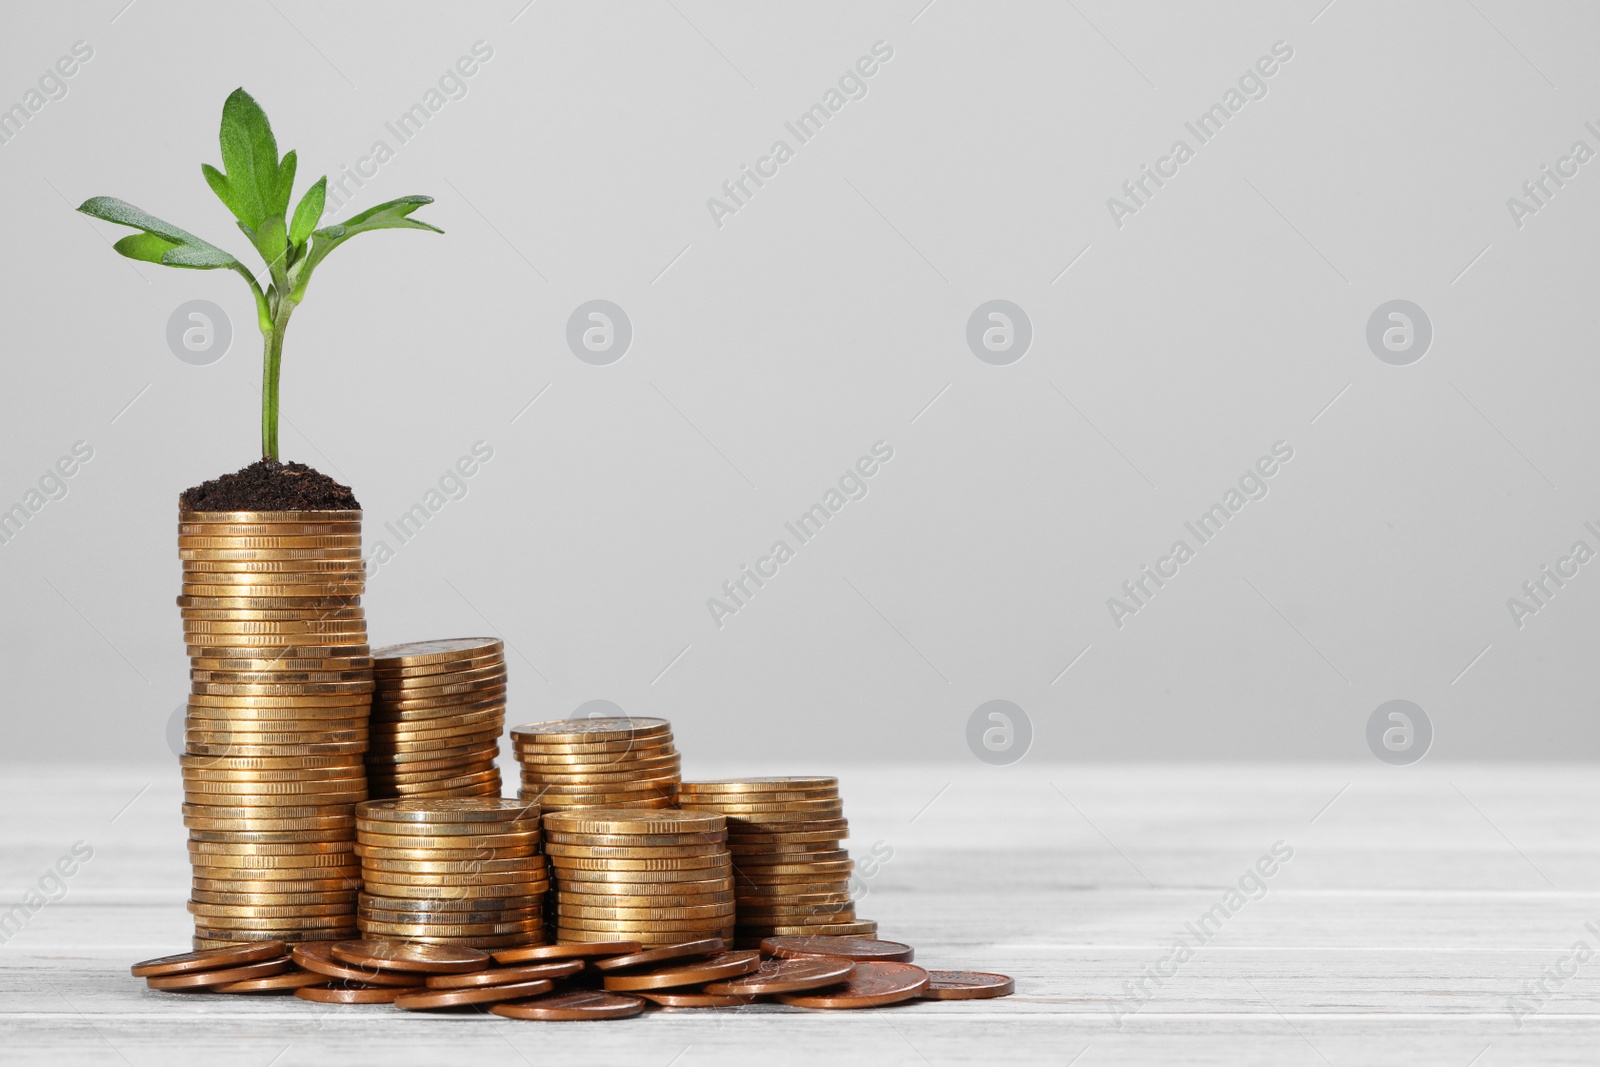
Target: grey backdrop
{"x":773,"y":346}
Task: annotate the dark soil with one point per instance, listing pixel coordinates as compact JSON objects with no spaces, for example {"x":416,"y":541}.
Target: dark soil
{"x":267,"y":485}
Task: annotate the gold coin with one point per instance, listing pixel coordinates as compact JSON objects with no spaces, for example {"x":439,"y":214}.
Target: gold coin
{"x":332,"y":700}
{"x":710,"y":850}
{"x":756,"y":874}
{"x":781,"y":783}
{"x":435,"y":892}
{"x":583,"y":894}
{"x":192,"y":772}
{"x":709,"y":863}
{"x":425,"y":717}
{"x":653,"y":803}
{"x":432,"y":779}
{"x":829,"y":805}
{"x":417,"y":835}
{"x":686,"y":927}
{"x":446,"y":830}
{"x":272,"y":848}
{"x":637,"y":883}
{"x":266,"y":911}
{"x":417,"y":653}
{"x":796,"y":892}
{"x":245,"y":542}
{"x":319,"y":823}
{"x":482,"y":696}
{"x":599,"y":790}
{"x":349,"y":590}
{"x":273,"y":800}
{"x":273,"y":899}
{"x":246,"y":583}
{"x":591,"y":730}
{"x":212,"y":644}
{"x":295,"y":748}
{"x":282,"y":689}
{"x":604,"y":752}
{"x":464,"y":856}
{"x":568,"y":909}
{"x":633,"y":822}
{"x":499,"y":863}
{"x":325,"y":614}
{"x":228,"y":570}
{"x":665,"y":770}
{"x":636,"y":840}
{"x":290,"y":662}
{"x":466,"y":724}
{"x":495,"y":668}
{"x":371,"y":928}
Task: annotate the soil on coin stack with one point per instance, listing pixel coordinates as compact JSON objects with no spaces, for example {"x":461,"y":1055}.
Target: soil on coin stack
{"x":267,"y":485}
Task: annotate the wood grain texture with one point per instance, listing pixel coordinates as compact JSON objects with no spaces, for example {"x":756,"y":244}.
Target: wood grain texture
{"x":1417,"y":904}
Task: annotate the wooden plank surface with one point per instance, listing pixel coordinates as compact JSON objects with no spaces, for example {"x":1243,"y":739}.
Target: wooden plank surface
{"x":1418,"y":903}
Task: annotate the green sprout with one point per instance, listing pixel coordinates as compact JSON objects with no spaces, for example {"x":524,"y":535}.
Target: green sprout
{"x":256,"y":188}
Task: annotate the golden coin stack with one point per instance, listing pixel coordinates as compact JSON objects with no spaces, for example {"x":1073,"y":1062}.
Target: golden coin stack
{"x":437,"y":717}
{"x":631,"y":874}
{"x":277,"y":721}
{"x":452,"y":871}
{"x":598,"y":763}
{"x":791,"y":877}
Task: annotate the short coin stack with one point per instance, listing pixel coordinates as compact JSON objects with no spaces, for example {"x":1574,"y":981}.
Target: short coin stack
{"x":462,"y":871}
{"x":437,"y":717}
{"x":791,"y":877}
{"x":277,"y":721}
{"x":656,"y":877}
{"x":598,"y":763}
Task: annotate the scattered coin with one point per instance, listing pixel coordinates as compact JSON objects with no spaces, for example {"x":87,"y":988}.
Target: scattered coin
{"x":352,"y":994}
{"x":967,"y":985}
{"x":198,"y":980}
{"x":660,"y":954}
{"x":216,"y":959}
{"x":287,"y":982}
{"x":695,"y":972}
{"x":581,"y":1004}
{"x":846,"y":948}
{"x":871,"y":985}
{"x":785,"y":976}
{"x":432,"y":999}
{"x":526,"y":972}
{"x":571,"y":950}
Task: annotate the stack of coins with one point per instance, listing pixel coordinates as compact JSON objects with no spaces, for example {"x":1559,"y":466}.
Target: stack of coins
{"x":452,"y":871}
{"x":791,"y":876}
{"x":656,"y":877}
{"x":598,"y":763}
{"x":437,"y":717}
{"x":277,"y":721}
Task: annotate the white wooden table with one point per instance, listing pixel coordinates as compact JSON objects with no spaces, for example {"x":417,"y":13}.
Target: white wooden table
{"x":1418,"y":902}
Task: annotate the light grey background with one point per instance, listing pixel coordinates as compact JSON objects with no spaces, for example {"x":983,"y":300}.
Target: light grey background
{"x":830,"y":313}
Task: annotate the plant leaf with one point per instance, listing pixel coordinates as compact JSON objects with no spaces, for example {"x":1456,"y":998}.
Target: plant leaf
{"x":161,"y":242}
{"x":308,"y":213}
{"x":391,"y":215}
{"x":256,"y":184}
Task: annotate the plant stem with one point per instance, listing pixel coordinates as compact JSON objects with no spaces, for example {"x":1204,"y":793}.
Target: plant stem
{"x":271,"y":365}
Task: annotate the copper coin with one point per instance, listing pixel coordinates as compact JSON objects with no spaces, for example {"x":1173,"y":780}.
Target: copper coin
{"x":409,"y":956}
{"x":674,"y":998}
{"x":664,"y":954}
{"x":200,"y":980}
{"x":431,"y":999}
{"x":967,"y":985}
{"x":210,"y":960}
{"x":870,"y":986}
{"x":569,"y":950}
{"x":785,"y":976}
{"x":527,"y":972}
{"x":695,"y":972}
{"x":582,"y":1004}
{"x":287,"y":982}
{"x":335,"y":994}
{"x":318,"y":956}
{"x":845,"y":948}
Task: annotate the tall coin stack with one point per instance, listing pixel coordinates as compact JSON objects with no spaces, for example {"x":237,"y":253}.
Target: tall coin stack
{"x":630,"y":874}
{"x":437,"y":717}
{"x":277,"y":721}
{"x":791,"y":877}
{"x":452,"y":871}
{"x":598,"y":763}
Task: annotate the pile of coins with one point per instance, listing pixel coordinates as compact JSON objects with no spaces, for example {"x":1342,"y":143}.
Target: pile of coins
{"x":277,"y":721}
{"x":791,"y":877}
{"x":598,"y":763}
{"x":557,"y":982}
{"x":437,"y":717}
{"x":652,"y":876}
{"x":461,"y":871}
